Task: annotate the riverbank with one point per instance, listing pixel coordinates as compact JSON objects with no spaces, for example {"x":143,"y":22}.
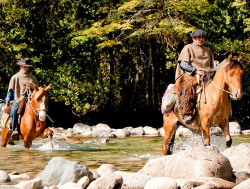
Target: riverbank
{"x":78,"y":133}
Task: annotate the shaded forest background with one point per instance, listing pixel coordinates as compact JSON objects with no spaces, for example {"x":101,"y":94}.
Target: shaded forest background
{"x":110,"y":61}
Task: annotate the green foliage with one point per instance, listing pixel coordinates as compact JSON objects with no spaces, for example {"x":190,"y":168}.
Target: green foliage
{"x":119,"y":55}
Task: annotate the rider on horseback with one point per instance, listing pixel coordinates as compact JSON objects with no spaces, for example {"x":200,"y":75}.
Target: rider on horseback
{"x":18,"y":90}
{"x":195,"y":59}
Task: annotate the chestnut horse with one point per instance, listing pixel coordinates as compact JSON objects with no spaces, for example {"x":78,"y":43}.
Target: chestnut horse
{"x":33,"y":122}
{"x":214,"y":105}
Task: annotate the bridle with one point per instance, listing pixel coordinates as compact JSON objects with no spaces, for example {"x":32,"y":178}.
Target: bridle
{"x":37,"y":110}
{"x":229,"y":92}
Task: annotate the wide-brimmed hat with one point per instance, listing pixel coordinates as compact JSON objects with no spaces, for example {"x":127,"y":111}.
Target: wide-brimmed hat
{"x":198,"y":33}
{"x":26,"y":62}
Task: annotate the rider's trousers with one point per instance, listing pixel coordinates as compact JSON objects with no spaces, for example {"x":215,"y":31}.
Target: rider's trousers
{"x":13,"y":114}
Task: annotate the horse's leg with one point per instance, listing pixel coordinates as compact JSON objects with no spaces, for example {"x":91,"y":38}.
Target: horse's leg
{"x":27,"y":142}
{"x":206,"y":134}
{"x":6,"y":133}
{"x":48,"y":133}
{"x":170,"y":126}
{"x":225,"y":129}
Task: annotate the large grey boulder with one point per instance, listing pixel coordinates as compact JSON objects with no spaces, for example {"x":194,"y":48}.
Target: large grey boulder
{"x":239,"y":157}
{"x":110,"y":181}
{"x":192,"y":163}
{"x":60,"y":171}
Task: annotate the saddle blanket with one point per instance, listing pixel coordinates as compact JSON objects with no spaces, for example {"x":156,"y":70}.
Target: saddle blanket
{"x":168,"y":100}
{"x":4,"y":118}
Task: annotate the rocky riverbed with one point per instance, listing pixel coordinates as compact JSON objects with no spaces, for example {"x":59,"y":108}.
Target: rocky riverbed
{"x":195,"y":167}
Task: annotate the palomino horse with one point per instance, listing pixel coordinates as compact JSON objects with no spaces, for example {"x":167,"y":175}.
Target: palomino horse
{"x":33,"y":122}
{"x":214,"y":105}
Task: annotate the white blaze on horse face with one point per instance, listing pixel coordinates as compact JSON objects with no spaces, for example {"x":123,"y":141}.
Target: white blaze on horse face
{"x":42,"y":113}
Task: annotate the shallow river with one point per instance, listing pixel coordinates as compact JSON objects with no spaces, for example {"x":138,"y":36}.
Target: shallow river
{"x":127,"y":154}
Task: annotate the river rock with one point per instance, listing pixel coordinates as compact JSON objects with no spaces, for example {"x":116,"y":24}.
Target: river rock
{"x":161,"y":131}
{"x":150,"y":131}
{"x":31,"y":184}
{"x":204,"y":183}
{"x":102,"y":134}
{"x":106,"y":169}
{"x":84,"y":130}
{"x":234,"y":128}
{"x":246,"y":132}
{"x":70,"y":185}
{"x":60,"y":171}
{"x":110,"y":181}
{"x":183,"y":132}
{"x":121,"y":133}
{"x":241,"y":176}
{"x":192,"y":163}
{"x":74,"y":141}
{"x":161,"y":183}
{"x":139,"y":131}
{"x":8,"y":187}
{"x":83,"y":182}
{"x":216,"y":131}
{"x":4,"y":177}
{"x":21,"y":177}
{"x":101,"y":127}
{"x":243,"y":185}
{"x":239,"y":157}
{"x":133,"y":180}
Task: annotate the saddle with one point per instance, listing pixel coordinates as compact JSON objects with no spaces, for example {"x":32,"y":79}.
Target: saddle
{"x":186,"y":87}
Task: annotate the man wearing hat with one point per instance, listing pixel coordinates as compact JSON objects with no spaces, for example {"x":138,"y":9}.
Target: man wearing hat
{"x":18,"y":88}
{"x":194,"y":59}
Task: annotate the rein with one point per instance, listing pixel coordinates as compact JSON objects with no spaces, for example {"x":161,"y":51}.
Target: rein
{"x":223,"y":90}
{"x":220,"y":88}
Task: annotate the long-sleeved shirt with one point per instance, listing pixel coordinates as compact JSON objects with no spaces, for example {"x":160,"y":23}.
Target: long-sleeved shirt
{"x":186,"y":66}
{"x":10,"y":94}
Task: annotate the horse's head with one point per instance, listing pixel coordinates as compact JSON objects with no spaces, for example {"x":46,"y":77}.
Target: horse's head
{"x":233,"y":74}
{"x":40,"y":98}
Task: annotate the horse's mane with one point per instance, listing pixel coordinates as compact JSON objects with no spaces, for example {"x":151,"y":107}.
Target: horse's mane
{"x":208,"y":76}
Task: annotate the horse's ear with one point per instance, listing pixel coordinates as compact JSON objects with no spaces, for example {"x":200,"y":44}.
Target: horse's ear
{"x":230,"y":57}
{"x":47,"y":88}
{"x":35,"y":87}
{"x":240,"y":59}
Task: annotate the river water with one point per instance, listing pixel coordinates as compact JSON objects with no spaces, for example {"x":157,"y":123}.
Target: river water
{"x":127,"y":154}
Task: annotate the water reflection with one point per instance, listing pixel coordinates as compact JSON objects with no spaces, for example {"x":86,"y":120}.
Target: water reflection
{"x":128,"y":154}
